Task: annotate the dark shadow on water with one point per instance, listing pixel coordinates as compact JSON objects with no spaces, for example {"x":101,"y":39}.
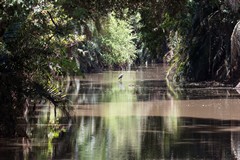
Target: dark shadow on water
{"x":94,"y":137}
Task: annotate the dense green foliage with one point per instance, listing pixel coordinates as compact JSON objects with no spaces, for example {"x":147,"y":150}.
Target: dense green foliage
{"x":117,"y":41}
{"x":205,"y":51}
{"x":32,"y":57}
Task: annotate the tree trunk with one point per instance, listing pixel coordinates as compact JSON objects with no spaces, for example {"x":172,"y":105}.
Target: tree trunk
{"x":235,"y":51}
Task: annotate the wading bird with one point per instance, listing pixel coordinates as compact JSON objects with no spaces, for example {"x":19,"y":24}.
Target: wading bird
{"x":120,"y":76}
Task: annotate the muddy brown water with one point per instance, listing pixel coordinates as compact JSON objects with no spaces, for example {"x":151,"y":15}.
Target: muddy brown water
{"x":138,"y":117}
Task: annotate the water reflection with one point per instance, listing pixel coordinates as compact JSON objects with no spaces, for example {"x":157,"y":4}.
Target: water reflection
{"x":114,"y":132}
{"x":235,"y":144}
{"x":136,"y":118}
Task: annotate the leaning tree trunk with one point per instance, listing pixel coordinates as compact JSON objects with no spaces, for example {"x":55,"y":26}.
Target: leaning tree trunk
{"x":235,"y":51}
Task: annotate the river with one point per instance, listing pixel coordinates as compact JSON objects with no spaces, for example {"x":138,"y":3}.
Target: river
{"x":138,"y":117}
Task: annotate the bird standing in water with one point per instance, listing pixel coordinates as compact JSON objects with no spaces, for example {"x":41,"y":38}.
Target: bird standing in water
{"x":120,"y":76}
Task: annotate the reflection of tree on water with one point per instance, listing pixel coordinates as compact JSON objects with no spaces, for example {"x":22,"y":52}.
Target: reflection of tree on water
{"x":235,"y":137}
{"x":126,"y":125}
{"x":94,"y":137}
{"x":123,"y":129}
{"x":44,"y":128}
{"x":118,"y":133}
{"x":235,"y":144}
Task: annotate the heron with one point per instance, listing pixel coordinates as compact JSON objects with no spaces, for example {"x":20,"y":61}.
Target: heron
{"x":120,"y":76}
